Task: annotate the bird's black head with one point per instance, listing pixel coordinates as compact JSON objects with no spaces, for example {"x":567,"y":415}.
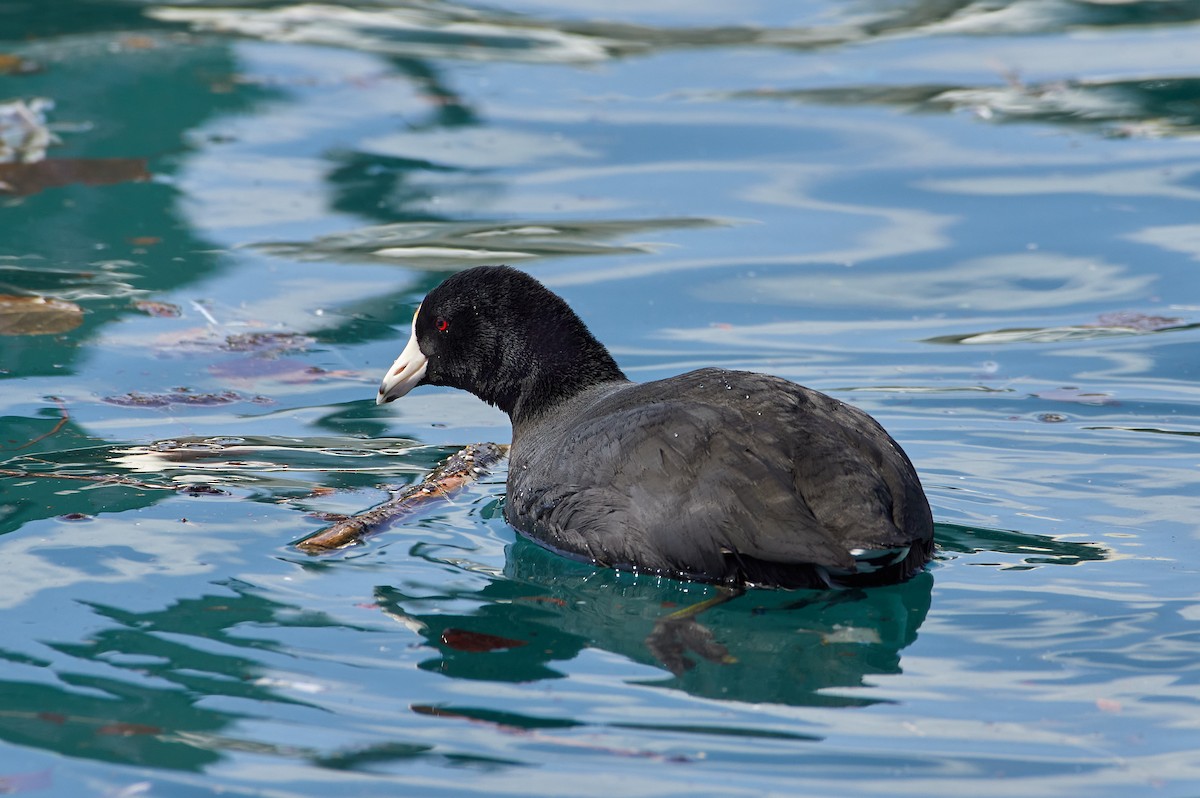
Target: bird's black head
{"x":503,"y":336}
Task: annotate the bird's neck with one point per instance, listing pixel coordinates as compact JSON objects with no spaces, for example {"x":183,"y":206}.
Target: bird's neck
{"x":560,"y":366}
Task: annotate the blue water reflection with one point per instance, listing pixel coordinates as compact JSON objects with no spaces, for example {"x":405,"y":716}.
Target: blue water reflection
{"x":976,"y":221}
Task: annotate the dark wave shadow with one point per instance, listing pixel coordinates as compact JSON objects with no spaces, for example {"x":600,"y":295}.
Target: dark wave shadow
{"x":141,"y":689}
{"x":1146,"y":106}
{"x":1033,"y":550}
{"x":1108,"y":326}
{"x":442,"y":245}
{"x":417,"y":29}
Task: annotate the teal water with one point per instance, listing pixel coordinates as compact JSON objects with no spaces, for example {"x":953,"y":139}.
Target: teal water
{"x":976,"y":221}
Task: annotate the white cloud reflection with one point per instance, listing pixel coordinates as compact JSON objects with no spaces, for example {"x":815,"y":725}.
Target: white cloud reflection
{"x":1015,"y":282}
{"x":475,"y":147}
{"x":1156,"y":181}
{"x":1183,"y":238}
{"x":435,"y":32}
{"x":170,"y":551}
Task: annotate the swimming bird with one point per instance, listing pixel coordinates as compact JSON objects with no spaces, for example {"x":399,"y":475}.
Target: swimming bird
{"x":730,"y":477}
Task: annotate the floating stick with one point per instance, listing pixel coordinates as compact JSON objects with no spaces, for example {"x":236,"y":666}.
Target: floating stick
{"x":454,"y":472}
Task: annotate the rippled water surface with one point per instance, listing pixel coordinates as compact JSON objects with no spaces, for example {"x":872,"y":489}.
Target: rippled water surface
{"x":978,"y":221}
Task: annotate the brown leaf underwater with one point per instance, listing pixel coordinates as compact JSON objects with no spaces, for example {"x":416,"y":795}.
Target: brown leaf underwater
{"x":35,"y":315}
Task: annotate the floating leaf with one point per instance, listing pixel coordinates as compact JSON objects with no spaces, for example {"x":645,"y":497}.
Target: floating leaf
{"x":179,"y":396}
{"x":16,"y":65}
{"x":162,"y":310}
{"x":35,"y":315}
{"x":122,"y":729}
{"x":267,"y":342}
{"x":476,"y":642}
{"x":24,"y":179}
{"x":1136,"y":321}
{"x":26,"y":782}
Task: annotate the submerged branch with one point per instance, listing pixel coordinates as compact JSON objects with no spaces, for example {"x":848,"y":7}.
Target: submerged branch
{"x":453,"y":473}
{"x":64,"y":417}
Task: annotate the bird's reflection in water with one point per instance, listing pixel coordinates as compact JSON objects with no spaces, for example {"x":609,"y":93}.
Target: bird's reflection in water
{"x":772,"y":646}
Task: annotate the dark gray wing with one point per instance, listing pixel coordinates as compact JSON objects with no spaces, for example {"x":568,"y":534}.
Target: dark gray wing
{"x":721,"y":466}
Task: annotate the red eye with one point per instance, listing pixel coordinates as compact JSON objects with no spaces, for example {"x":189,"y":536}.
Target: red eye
{"x":441,"y":324}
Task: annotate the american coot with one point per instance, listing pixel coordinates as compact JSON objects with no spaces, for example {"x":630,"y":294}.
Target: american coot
{"x":715,"y":475}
